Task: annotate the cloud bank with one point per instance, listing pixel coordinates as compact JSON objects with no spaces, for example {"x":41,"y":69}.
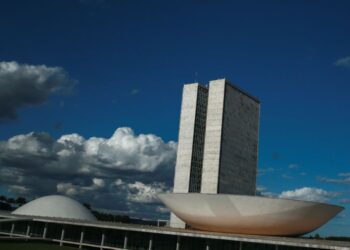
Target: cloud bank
{"x":23,"y":85}
{"x":125,"y":171}
{"x":304,"y":194}
{"x":309,"y":194}
{"x":343,"y":178}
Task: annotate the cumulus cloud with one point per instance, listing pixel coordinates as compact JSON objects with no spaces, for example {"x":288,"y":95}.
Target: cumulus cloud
{"x":304,"y":193}
{"x":18,"y":189}
{"x":139,"y":192}
{"x":116,"y":172}
{"x":120,"y":150}
{"x":343,"y":62}
{"x":343,"y":178}
{"x":309,"y":194}
{"x":72,"y":190}
{"x":23,"y":85}
{"x":263,"y":191}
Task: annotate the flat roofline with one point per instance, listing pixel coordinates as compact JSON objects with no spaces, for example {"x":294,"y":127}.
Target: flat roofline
{"x":229,"y":84}
{"x":239,"y":89}
{"x":200,"y":85}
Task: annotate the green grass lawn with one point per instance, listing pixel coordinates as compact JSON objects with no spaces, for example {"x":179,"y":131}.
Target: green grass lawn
{"x":32,"y":246}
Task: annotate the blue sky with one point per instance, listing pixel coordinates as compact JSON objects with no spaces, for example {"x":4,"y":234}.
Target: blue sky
{"x":126,"y":62}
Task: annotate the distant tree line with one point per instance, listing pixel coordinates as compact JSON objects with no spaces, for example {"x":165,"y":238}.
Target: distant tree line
{"x":111,"y":217}
{"x":339,"y":238}
{"x":123,"y":218}
{"x":107,"y":216}
{"x":10,"y":204}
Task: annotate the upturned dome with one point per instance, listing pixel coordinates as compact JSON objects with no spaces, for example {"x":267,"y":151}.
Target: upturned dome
{"x":57,"y":206}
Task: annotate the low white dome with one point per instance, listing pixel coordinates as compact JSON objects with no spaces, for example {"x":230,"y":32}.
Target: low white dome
{"x":57,"y":206}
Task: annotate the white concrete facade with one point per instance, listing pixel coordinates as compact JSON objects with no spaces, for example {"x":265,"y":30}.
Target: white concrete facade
{"x":190,"y":146}
{"x":213,"y":132}
{"x":231,"y":141}
{"x":186,"y":134}
{"x":218,"y":137}
{"x":57,"y":206}
{"x":243,"y":214}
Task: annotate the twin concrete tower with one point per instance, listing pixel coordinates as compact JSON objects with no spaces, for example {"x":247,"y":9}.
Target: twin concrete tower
{"x":218,"y":141}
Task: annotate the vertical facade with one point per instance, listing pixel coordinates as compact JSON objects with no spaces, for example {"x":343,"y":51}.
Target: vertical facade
{"x":218,"y":141}
{"x":198,"y":140}
{"x":189,"y":161}
{"x":213,"y":138}
{"x":231,"y":141}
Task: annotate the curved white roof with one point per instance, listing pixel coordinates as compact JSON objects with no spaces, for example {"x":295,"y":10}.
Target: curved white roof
{"x":57,"y":206}
{"x":249,"y":214}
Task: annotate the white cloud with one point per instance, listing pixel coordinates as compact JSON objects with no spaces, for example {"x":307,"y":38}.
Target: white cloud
{"x":119,"y":182}
{"x":134,"y":195}
{"x":67,"y":189}
{"x":343,"y":62}
{"x":309,"y":194}
{"x":71,"y":139}
{"x":98,"y":183}
{"x":139,"y":192}
{"x":126,"y":151}
{"x":73,"y":190}
{"x":343,"y":178}
{"x":23,"y":85}
{"x":111,"y":173}
{"x":261,"y":189}
{"x":123,"y":151}
{"x":18,"y":189}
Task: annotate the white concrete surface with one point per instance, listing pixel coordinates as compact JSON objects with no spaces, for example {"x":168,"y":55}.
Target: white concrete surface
{"x":244,"y":214}
{"x":57,"y":206}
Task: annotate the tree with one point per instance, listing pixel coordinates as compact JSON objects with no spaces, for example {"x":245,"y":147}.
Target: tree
{"x":11,"y":200}
{"x":21,"y":201}
{"x":5,"y":206}
{"x":88,"y":206}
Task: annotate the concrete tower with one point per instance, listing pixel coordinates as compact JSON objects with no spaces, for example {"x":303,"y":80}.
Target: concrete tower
{"x":189,"y":159}
{"x":218,"y":141}
{"x":231,"y":141}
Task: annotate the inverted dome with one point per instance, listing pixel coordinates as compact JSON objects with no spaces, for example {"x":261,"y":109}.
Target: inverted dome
{"x":57,"y":206}
{"x":244,"y":214}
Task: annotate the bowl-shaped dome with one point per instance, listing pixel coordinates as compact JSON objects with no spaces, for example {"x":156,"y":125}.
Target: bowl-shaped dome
{"x":57,"y":206}
{"x":249,"y":214}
